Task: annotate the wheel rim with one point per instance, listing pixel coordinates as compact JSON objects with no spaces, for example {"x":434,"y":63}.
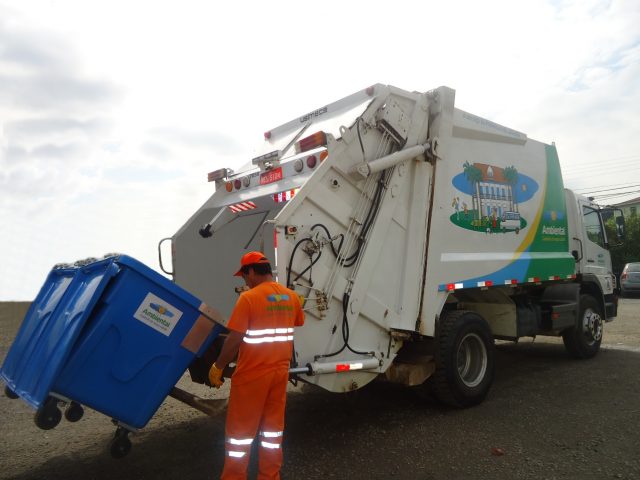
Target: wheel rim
{"x":592,"y":326}
{"x":471,"y":360}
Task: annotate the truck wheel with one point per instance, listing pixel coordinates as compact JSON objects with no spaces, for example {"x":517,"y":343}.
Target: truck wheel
{"x":583,"y":340}
{"x":465,"y":361}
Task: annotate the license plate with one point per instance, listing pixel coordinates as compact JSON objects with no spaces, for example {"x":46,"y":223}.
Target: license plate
{"x":271,"y":176}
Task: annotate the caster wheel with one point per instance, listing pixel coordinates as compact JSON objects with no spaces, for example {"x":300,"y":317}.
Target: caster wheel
{"x":49,"y":415}
{"x":121,"y":445}
{"x":74,"y":412}
{"x":10,"y":393}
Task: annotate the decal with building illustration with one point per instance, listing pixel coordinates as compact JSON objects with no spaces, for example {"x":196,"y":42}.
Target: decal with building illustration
{"x":495,"y":194}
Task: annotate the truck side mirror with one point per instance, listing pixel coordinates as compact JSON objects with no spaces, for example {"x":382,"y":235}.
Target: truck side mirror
{"x":613,"y":221}
{"x":620,"y":226}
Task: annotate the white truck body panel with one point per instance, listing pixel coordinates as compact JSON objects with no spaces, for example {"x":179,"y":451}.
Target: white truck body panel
{"x":423,"y":187}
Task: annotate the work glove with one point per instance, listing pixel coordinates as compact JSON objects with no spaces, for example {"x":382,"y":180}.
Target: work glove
{"x":215,"y":376}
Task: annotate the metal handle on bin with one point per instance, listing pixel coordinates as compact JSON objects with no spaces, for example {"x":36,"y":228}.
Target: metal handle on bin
{"x":160,"y":256}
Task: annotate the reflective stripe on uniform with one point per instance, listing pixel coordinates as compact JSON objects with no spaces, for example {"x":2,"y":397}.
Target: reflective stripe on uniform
{"x":287,"y":338}
{"x":269,"y":445}
{"x":271,"y":434}
{"x":240,"y":441}
{"x":236,"y":454}
{"x":268,"y":331}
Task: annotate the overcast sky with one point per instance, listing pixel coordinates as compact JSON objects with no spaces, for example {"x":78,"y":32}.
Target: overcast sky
{"x":112,"y":113}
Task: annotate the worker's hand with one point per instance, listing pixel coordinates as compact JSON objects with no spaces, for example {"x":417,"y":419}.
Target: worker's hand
{"x":215,"y":376}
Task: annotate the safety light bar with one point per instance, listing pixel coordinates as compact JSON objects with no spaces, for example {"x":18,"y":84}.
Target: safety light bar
{"x":267,"y":157}
{"x":318,"y":139}
{"x":219,"y":174}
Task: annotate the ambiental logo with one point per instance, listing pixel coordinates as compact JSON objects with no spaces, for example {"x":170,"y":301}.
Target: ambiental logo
{"x":158,"y":314}
{"x":278,"y":298}
{"x":161,"y":309}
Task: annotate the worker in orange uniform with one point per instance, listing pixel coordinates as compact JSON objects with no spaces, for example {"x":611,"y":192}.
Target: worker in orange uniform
{"x":261,"y":334}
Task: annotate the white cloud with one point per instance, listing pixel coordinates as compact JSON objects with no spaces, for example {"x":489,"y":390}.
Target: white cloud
{"x":111,"y":114}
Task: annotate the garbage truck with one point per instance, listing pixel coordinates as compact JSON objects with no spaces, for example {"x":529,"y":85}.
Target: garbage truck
{"x":415,"y":233}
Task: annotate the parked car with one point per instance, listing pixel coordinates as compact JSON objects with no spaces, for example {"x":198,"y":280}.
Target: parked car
{"x":630,"y":279}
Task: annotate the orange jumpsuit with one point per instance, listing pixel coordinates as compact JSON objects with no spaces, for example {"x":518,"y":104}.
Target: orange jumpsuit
{"x":266,"y":315}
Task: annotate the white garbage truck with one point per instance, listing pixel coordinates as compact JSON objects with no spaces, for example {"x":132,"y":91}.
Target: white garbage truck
{"x":416,"y":234}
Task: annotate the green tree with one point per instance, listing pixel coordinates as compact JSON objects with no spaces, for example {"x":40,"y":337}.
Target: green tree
{"x":474,"y":176}
{"x":629,"y":251}
{"x":511,"y":176}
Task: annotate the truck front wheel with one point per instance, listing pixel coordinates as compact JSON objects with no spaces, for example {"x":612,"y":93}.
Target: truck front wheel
{"x":465,"y":361}
{"x":583,"y":340}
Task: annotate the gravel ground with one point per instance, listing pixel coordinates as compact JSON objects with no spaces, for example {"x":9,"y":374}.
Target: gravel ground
{"x":547,"y":416}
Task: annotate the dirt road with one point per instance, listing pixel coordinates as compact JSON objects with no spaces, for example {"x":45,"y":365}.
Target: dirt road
{"x":551,"y":416}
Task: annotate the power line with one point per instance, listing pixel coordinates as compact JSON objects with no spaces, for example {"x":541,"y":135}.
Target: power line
{"x":603,"y":169}
{"x":626,"y":159}
{"x":614,"y":195}
{"x":609,"y":189}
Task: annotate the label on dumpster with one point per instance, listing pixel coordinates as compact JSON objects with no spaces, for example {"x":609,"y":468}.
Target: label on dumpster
{"x":158,"y":314}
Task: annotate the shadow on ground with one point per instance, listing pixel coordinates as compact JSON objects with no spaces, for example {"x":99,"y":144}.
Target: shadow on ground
{"x":554,"y":417}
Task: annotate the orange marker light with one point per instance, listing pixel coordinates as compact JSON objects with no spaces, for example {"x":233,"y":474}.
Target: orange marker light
{"x":318,"y":139}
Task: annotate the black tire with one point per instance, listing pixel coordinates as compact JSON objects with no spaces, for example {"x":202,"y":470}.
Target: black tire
{"x":74,"y":412}
{"x":583,"y":340}
{"x":49,"y":415}
{"x":465,"y":360}
{"x":120,"y":445}
{"x":10,"y":393}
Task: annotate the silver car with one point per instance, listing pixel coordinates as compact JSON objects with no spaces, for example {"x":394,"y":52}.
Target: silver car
{"x":630,"y":279}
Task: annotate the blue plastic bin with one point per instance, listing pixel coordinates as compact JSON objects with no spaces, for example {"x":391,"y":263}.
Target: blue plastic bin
{"x":114,"y":335}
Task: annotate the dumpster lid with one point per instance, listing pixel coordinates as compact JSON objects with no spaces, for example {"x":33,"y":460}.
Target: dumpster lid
{"x":52,"y":326}
{"x":156,"y":277}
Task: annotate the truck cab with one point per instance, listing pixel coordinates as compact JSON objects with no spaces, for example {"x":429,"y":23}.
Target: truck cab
{"x":590,"y":241}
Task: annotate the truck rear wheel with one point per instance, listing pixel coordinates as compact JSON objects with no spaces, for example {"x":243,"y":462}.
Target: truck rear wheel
{"x":583,"y":340}
{"x":465,"y":361}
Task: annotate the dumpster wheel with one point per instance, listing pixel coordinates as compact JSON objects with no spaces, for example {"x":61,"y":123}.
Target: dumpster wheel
{"x":120,"y":445}
{"x":49,"y":415}
{"x":10,"y":393}
{"x":74,"y":412}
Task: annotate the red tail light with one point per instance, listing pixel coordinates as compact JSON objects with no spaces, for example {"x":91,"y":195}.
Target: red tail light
{"x":318,"y":139}
{"x":311,"y":161}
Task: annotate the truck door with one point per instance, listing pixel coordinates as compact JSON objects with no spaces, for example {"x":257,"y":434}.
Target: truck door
{"x":595,"y":260}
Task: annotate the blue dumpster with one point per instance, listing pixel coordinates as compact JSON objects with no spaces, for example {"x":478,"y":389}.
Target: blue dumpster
{"x":113,"y":335}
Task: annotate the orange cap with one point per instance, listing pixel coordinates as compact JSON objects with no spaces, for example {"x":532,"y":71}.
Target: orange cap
{"x":249,"y":259}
